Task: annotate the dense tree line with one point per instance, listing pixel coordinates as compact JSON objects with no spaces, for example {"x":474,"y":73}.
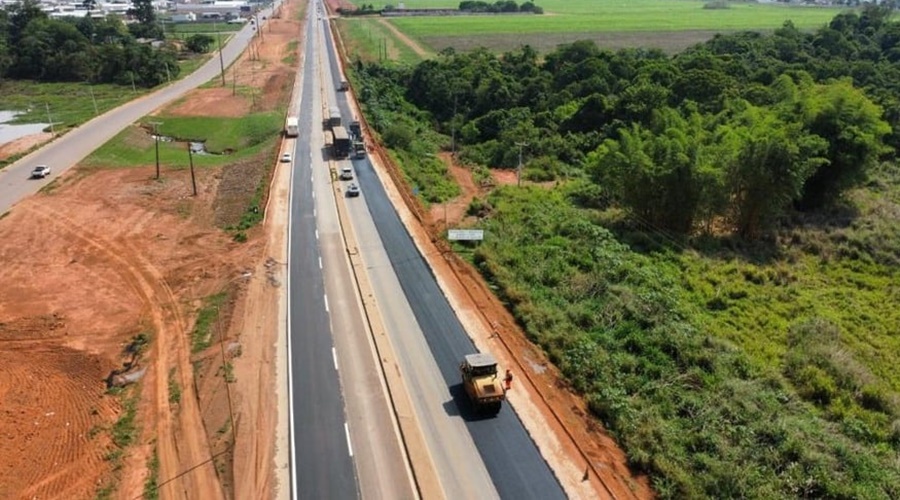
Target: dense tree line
{"x":500,"y":6}
{"x":36,"y":47}
{"x":738,"y":130}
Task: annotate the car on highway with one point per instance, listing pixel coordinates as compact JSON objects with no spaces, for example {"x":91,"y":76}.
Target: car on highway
{"x":346,"y":174}
{"x":353,"y":191}
{"x":40,"y":172}
{"x":286,"y":158}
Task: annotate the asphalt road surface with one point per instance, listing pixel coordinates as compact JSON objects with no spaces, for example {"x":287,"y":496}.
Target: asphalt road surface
{"x":508,"y":454}
{"x":342,"y":447}
{"x":66,"y":151}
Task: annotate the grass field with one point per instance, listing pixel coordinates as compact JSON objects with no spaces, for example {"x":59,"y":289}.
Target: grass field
{"x":204,"y":27}
{"x":667,"y":24}
{"x":229,"y":139}
{"x":69,"y":104}
{"x":370,"y":40}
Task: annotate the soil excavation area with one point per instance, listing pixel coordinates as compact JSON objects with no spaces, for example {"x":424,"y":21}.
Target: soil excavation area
{"x":88,"y":267}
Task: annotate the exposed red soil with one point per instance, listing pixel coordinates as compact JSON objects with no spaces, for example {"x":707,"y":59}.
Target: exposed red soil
{"x":23,"y":144}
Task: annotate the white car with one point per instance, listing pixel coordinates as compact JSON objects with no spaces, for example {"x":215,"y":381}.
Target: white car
{"x":286,"y":158}
{"x":40,"y":172}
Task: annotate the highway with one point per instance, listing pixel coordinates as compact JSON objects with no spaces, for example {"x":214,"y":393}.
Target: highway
{"x":66,"y":151}
{"x":342,"y":447}
{"x":475,"y":458}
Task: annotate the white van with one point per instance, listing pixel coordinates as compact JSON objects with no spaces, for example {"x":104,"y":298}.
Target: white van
{"x":346,"y":174}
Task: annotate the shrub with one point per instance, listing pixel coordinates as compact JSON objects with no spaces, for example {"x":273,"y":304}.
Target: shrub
{"x":199,"y":43}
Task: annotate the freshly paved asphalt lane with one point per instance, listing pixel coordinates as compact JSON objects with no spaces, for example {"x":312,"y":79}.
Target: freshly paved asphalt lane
{"x":68,"y":150}
{"x":511,"y":457}
{"x":322,"y":465}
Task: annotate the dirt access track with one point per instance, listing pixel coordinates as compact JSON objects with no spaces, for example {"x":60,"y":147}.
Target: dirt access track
{"x":108,"y":268}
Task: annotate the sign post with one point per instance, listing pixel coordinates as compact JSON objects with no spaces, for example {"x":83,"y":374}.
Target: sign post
{"x":465,"y":234}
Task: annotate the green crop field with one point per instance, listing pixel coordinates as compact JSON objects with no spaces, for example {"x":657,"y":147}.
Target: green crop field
{"x":370,"y":40}
{"x":667,"y":24}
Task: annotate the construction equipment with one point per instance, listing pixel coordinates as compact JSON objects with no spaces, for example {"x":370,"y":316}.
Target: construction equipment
{"x":483,"y":385}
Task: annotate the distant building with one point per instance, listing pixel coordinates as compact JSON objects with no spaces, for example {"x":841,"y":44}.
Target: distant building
{"x":188,"y":17}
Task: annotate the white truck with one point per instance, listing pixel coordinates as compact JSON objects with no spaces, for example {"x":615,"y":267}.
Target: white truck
{"x":292,"y":127}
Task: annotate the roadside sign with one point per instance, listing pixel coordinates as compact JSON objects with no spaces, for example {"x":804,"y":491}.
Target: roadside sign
{"x":465,"y":234}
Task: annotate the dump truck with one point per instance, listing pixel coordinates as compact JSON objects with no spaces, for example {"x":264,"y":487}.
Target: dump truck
{"x":482,"y":383}
{"x":334,"y":117}
{"x":359,"y":150}
{"x":355,"y":130}
{"x":340,"y":142}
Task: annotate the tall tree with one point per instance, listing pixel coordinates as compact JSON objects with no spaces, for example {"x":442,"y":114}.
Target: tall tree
{"x":852,"y":126}
{"x":145,"y":14}
{"x":656,"y":174}
{"x":773,"y":160}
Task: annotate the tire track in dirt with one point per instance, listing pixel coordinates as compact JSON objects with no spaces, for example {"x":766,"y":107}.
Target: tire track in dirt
{"x":52,"y":433}
{"x":148,"y":283}
{"x":409,"y":42}
{"x":192,"y":443}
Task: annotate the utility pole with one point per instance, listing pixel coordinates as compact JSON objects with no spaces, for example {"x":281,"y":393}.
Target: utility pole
{"x":191,"y":159}
{"x":519,"y":168}
{"x":225,"y":373}
{"x":234,"y":80}
{"x":453,"y":128}
{"x":49,"y":119}
{"x":156,"y":136}
{"x":91,"y":87}
{"x":221,"y":58}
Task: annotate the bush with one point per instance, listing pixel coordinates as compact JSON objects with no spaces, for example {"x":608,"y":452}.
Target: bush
{"x":199,"y":43}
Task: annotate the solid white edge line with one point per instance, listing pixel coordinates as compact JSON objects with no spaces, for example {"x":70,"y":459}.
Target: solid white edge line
{"x":334,"y":357}
{"x":326,"y":303}
{"x":290,"y":367}
{"x":349,"y":444}
{"x":290,"y":373}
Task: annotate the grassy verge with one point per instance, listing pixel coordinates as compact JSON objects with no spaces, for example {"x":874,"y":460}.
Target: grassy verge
{"x":228,"y":139}
{"x":191,"y":63}
{"x":124,"y":432}
{"x":291,"y":58}
{"x":201,"y":27}
{"x":151,"y":484}
{"x":201,"y":337}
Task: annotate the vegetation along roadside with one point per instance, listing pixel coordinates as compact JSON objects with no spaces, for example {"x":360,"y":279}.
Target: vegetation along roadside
{"x":705,"y":243}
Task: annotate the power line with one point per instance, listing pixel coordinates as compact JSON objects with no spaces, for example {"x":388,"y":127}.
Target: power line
{"x":187,"y":471}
